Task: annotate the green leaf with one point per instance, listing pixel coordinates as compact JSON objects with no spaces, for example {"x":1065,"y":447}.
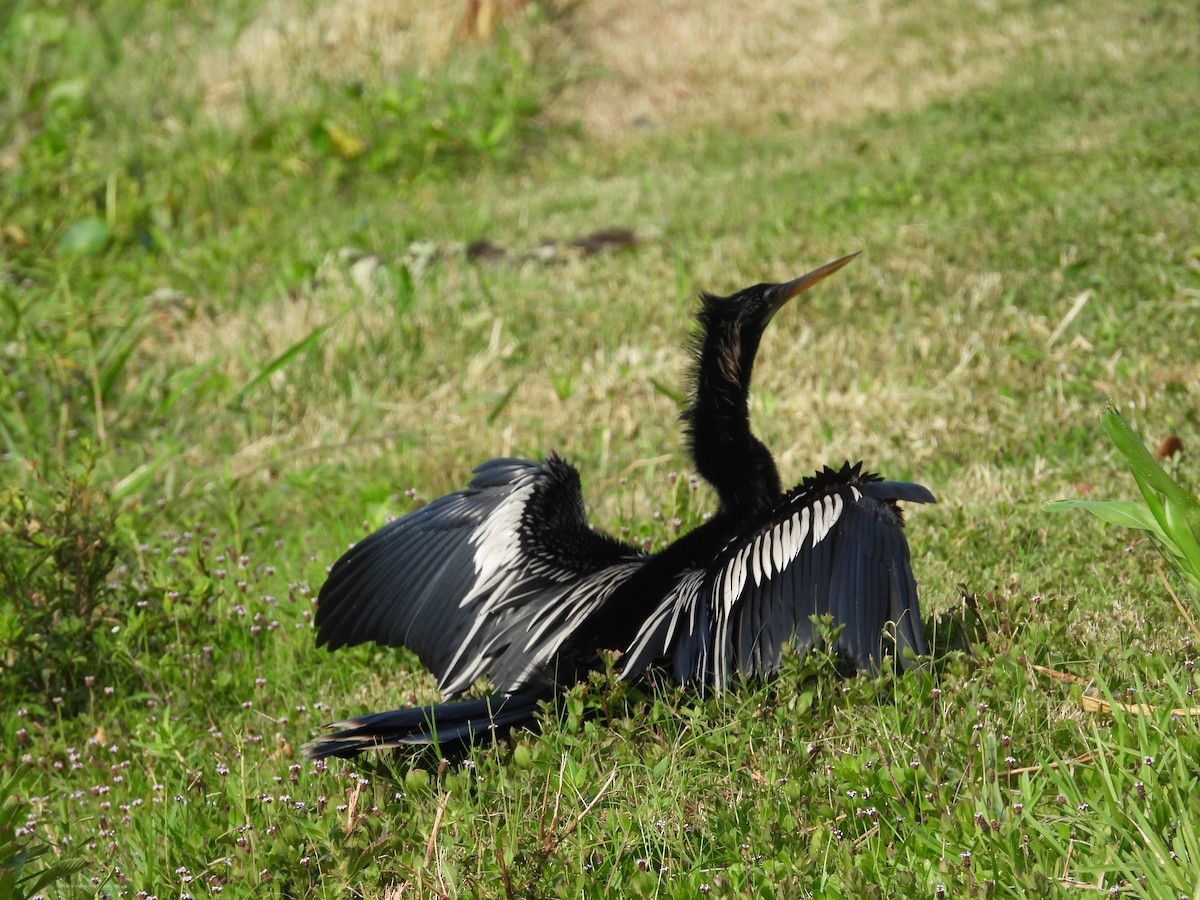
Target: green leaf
{"x":804,"y":702}
{"x":1126,"y":513}
{"x":1148,"y":473}
{"x":86,"y":237}
{"x":69,"y":92}
{"x":1167,"y":512}
{"x":55,"y":872}
{"x":191,"y":379}
{"x":1182,"y":541}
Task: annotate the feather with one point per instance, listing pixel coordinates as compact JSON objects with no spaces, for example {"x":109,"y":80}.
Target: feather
{"x":450,"y":580}
{"x":852,"y":563}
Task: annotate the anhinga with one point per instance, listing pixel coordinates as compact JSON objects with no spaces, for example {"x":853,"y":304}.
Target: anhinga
{"x":507,"y":580}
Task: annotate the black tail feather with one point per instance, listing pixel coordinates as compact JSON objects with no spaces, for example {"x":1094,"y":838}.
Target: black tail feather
{"x":443,"y":724}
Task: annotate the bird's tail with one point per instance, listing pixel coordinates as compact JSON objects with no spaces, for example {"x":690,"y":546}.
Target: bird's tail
{"x":443,"y":724}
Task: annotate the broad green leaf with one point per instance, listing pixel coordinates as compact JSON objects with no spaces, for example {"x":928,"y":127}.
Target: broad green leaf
{"x":1148,"y":473}
{"x":1167,"y":512}
{"x":1182,"y":541}
{"x":69,"y":92}
{"x":86,"y":237}
{"x":55,"y":872}
{"x":1126,"y":513}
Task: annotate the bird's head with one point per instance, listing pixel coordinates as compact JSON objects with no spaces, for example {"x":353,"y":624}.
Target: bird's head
{"x":731,"y":327}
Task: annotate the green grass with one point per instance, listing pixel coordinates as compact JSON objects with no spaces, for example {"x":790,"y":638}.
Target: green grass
{"x":230,"y":342}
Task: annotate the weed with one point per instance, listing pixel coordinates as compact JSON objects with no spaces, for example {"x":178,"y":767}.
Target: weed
{"x":1167,"y":513}
{"x":57,"y":549}
{"x":24,"y":869}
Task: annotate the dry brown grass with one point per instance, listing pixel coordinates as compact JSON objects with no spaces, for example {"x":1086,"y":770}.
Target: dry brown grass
{"x":292,"y":42}
{"x":677,"y":63}
{"x":807,"y":377}
{"x":453,"y":386}
{"x":672,"y":63}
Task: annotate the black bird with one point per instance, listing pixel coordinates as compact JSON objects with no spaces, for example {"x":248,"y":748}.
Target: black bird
{"x":506,"y":579}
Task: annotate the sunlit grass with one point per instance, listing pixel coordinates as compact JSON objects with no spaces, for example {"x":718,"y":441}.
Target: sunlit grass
{"x":239,"y":330}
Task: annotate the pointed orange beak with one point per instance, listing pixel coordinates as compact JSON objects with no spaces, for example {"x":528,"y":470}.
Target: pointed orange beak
{"x":782,"y":293}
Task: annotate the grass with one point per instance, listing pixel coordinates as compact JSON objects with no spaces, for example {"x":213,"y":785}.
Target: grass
{"x":238,"y":330}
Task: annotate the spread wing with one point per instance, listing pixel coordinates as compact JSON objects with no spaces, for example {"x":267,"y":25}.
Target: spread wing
{"x":833,"y":546}
{"x":487,"y":580}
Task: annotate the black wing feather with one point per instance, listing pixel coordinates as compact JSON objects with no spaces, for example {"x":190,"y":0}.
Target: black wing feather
{"x":462,"y":580}
{"x":843,"y":554}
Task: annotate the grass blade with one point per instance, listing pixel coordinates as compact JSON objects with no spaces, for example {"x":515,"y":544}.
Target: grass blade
{"x":115,"y":355}
{"x":301,"y":346}
{"x":501,"y":402}
{"x":134,"y":483}
{"x":675,"y":396}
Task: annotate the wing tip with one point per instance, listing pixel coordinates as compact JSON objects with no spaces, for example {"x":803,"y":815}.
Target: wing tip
{"x":908,"y":491}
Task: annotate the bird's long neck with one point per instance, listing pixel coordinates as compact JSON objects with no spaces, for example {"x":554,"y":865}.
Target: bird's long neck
{"x":726,"y":453}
